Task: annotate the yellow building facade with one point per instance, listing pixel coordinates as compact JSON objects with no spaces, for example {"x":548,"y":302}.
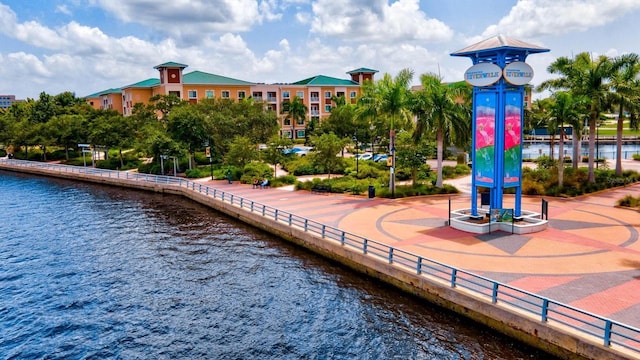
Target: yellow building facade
{"x":317,"y":93}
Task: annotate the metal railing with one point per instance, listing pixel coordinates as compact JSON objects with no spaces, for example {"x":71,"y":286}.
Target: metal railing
{"x":610,"y":333}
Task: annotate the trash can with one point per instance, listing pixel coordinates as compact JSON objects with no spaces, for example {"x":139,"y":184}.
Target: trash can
{"x":372,"y":192}
{"x":485,"y":198}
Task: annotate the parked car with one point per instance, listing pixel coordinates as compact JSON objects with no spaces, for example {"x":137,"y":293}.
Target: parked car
{"x":299,"y":150}
{"x":380,"y":157}
{"x":364,"y":156}
{"x":303,"y":151}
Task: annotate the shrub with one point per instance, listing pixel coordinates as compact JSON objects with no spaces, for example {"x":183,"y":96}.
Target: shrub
{"x":636,"y":157}
{"x":256,"y":170}
{"x":113,"y":163}
{"x":198,"y":172}
{"x":532,"y":187}
{"x":630,"y":201}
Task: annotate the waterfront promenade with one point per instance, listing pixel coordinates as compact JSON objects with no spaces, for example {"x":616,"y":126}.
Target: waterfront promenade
{"x":589,"y":257}
{"x":587,"y":260}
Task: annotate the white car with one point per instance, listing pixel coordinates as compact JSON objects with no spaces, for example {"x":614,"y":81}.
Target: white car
{"x":303,"y":151}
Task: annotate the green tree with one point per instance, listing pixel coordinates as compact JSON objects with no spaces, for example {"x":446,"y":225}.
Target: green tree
{"x":273,"y":153}
{"x":189,"y":127}
{"x":411,"y":154}
{"x":164,"y":104}
{"x":391,"y":100}
{"x":626,"y":94}
{"x":442,"y":109}
{"x":295,"y":112}
{"x":109,"y":129}
{"x":327,"y":147}
{"x":586,"y":77}
{"x":67,"y":131}
{"x":241,"y":152}
{"x":565,"y":109}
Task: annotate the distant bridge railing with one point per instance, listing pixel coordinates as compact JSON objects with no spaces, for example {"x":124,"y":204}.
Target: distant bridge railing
{"x":610,"y":332}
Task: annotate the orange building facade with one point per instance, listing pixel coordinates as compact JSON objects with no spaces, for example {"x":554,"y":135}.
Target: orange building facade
{"x":317,"y":93}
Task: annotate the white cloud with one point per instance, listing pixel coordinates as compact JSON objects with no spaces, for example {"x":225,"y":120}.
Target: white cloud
{"x":534,"y":18}
{"x":193,"y":20}
{"x":63,"y":9}
{"x":377,"y":21}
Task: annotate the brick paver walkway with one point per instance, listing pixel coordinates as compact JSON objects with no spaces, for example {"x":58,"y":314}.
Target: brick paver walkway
{"x":589,"y":257}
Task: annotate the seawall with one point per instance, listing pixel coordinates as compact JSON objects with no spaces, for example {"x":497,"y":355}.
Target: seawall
{"x":556,"y":339}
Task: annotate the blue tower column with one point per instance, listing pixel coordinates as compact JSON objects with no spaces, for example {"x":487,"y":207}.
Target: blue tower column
{"x":500,"y":72}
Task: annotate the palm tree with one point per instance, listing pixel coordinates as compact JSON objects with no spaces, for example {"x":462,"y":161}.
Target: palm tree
{"x":443,"y":109}
{"x":296,"y":112}
{"x":391,"y":96}
{"x":564,"y":109}
{"x":626,"y":92}
{"x":587,"y":77}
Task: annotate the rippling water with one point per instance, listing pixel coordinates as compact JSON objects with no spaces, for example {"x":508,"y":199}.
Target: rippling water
{"x":97,"y":272}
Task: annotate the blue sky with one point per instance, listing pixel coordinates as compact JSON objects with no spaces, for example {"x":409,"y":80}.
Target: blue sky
{"x":85,"y":46}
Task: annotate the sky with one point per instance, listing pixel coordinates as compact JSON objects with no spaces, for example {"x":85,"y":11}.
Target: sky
{"x":87,"y":46}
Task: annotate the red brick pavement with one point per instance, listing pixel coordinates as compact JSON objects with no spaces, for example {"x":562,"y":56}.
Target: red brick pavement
{"x":589,"y":257}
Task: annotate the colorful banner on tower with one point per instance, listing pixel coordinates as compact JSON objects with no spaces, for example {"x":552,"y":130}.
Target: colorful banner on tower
{"x":512,"y":139}
{"x":484,"y":135}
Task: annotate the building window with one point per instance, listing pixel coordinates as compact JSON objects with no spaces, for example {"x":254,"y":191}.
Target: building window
{"x":300,"y":94}
{"x":209,"y":94}
{"x":271,"y":96}
{"x":315,"y":97}
{"x":193,"y":94}
{"x":327,"y":108}
{"x":300,"y":121}
{"x":285,"y":95}
{"x":287,"y":122}
{"x":286,"y":134}
{"x":327,"y":94}
{"x":176,"y":93}
{"x":242,"y":94}
{"x":299,"y":134}
{"x":353,"y":94}
{"x":314,"y":110}
{"x":225,"y":94}
{"x":257,"y":95}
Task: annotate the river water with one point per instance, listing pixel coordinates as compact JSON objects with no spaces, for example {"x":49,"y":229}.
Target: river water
{"x":93,"y":272}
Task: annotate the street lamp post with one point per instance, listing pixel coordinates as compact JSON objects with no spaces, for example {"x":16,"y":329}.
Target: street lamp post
{"x":597,"y":145}
{"x":355,"y":139}
{"x":162,"y":159}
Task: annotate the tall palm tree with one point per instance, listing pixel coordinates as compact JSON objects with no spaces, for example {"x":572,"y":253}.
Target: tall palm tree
{"x":590,"y":78}
{"x":392,"y":96}
{"x":442,"y":109}
{"x":626,"y":92}
{"x":296,"y":112}
{"x":564,"y":109}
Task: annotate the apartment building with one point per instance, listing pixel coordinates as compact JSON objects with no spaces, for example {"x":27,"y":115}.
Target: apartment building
{"x":317,"y":93}
{"x":6,"y":101}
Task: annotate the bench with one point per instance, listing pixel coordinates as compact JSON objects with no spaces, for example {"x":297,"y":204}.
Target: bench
{"x":321,"y":189}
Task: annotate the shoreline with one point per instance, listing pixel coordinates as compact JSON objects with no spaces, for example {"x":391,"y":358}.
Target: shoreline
{"x":552,"y":338}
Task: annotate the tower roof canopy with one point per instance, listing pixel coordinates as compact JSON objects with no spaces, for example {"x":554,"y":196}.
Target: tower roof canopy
{"x":362,"y":70}
{"x":170,"y":64}
{"x":498,"y":43}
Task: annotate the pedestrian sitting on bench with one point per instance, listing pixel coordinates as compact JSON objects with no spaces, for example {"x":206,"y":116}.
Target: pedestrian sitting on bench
{"x":265,"y":183}
{"x":256,"y":183}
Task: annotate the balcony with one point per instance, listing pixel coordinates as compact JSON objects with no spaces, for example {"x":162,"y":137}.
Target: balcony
{"x":315,"y":99}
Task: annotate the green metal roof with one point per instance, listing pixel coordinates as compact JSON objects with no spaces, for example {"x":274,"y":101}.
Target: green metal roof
{"x":170,"y":64}
{"x":362,"y":70}
{"x":322,"y":80}
{"x":203,"y":78}
{"x":144,"y":84}
{"x":104,"y":92}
